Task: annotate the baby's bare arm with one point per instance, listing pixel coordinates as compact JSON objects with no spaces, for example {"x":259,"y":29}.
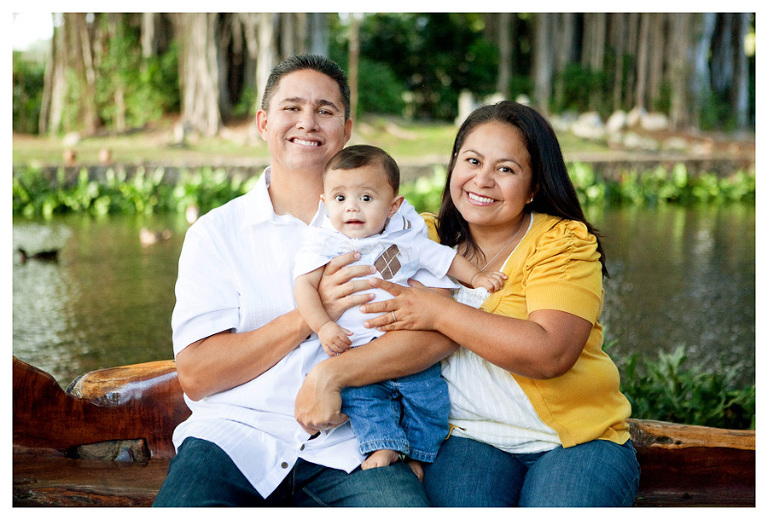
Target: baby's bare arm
{"x":308,"y":299}
{"x":466,"y":272}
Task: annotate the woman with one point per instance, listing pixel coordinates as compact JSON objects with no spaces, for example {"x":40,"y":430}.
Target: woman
{"x":536,"y":413}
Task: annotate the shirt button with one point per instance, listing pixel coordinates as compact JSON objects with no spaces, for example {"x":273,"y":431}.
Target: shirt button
{"x":284,"y":465}
{"x":302,"y":448}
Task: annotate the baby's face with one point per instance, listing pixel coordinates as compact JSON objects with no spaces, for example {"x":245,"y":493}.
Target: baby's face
{"x":359,"y":201}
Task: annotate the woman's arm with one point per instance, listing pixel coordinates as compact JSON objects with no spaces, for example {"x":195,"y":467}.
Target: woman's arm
{"x":227,"y":359}
{"x":545,"y":345}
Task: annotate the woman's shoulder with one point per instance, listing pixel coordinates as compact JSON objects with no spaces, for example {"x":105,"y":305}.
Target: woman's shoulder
{"x":431,"y":221}
{"x":550,"y":231}
{"x":553,"y":226}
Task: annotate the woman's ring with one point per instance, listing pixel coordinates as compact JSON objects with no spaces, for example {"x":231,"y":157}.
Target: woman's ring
{"x":394,"y":319}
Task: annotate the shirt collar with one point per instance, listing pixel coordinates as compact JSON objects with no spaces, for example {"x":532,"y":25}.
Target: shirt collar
{"x":258,"y":208}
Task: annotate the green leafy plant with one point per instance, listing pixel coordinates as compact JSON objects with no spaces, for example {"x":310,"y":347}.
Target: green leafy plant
{"x":666,"y":390}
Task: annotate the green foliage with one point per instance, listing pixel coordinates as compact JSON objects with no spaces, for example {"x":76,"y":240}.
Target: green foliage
{"x":425,"y":194}
{"x":434,"y":56}
{"x":665,"y":390}
{"x":28,"y":77}
{"x":146,"y":192}
{"x":380,"y":92}
{"x":631,"y":188}
{"x":146,"y":87}
{"x":580,"y":85}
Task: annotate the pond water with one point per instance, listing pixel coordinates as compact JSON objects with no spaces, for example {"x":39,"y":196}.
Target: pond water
{"x":679,"y":276}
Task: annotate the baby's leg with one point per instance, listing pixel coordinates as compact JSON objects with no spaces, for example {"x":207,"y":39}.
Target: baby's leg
{"x":417,"y":468}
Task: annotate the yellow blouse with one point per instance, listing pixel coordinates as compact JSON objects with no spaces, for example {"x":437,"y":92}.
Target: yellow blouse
{"x":556,"y":266}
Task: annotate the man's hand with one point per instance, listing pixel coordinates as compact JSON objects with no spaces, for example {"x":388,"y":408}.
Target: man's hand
{"x":318,"y":403}
{"x":340,"y":284}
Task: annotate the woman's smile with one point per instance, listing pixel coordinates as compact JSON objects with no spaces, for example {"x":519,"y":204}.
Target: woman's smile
{"x":479,"y":200}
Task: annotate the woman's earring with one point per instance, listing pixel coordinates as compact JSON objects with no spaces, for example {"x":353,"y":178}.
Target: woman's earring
{"x":530,"y":200}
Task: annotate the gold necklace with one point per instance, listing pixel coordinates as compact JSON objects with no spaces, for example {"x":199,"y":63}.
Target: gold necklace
{"x":519,"y":228}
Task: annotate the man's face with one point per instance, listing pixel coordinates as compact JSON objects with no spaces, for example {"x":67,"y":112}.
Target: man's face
{"x":305,"y":125}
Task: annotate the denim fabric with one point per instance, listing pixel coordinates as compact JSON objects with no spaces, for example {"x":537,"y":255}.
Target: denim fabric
{"x":408,"y":414}
{"x":468,"y":473}
{"x":202,"y":474}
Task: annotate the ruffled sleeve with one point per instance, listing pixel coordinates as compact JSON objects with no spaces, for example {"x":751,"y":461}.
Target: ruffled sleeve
{"x":564,"y":273}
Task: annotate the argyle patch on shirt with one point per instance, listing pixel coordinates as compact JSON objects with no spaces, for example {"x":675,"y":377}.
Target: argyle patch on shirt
{"x":387,"y":264}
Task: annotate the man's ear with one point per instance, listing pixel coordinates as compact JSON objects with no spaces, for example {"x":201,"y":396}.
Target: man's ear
{"x":395,"y":205}
{"x":347,"y":130}
{"x":261,"y":123}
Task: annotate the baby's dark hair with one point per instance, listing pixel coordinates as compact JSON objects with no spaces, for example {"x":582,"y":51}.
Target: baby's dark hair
{"x":359,"y":155}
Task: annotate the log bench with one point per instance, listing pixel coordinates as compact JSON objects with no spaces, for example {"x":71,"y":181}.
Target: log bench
{"x":106,"y":441}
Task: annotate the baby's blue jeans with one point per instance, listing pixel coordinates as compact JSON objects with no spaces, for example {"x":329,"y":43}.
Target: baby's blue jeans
{"x":408,"y":414}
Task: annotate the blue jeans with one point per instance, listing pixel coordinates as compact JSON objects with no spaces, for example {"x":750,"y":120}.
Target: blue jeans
{"x":408,"y":414}
{"x":202,"y":474}
{"x":468,"y":473}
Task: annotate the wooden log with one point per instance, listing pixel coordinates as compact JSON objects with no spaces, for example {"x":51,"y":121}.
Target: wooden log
{"x":139,"y":402}
{"x":687,"y":465}
{"x":130,"y":412}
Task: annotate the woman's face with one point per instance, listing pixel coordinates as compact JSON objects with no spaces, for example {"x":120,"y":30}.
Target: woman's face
{"x":491,"y":181}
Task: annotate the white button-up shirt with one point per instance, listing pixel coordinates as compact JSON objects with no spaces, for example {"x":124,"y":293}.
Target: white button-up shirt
{"x":236,"y":273}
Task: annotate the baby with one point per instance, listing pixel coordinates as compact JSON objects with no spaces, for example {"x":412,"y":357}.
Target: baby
{"x":360,"y":210}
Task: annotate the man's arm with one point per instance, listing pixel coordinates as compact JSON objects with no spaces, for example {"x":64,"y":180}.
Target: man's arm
{"x":228,"y":359}
{"x":395,"y":354}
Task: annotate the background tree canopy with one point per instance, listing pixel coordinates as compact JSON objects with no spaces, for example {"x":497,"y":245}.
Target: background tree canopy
{"x":119,"y":71}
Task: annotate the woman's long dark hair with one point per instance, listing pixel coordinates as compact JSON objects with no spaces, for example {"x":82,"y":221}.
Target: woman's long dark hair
{"x":555,"y":194}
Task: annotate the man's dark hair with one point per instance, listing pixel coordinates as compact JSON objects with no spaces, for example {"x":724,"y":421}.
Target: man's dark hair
{"x":360,"y":155}
{"x":307,"y":62}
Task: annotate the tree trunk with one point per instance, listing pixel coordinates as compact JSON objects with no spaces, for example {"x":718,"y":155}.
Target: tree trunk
{"x":319,"y":33}
{"x":722,"y":60}
{"x":149,"y":22}
{"x":566,"y":28}
{"x":354,"y":60}
{"x":632,"y":48}
{"x":740,"y":89}
{"x":198,"y":72}
{"x":250,"y":22}
{"x":642,"y":60}
{"x":618,"y":39}
{"x":593,"y":57}
{"x":657,"y":43}
{"x":678,"y":72}
{"x":699,"y":86}
{"x":54,"y":84}
{"x":542,"y":60}
{"x":266,"y":59}
{"x":505,"y":54}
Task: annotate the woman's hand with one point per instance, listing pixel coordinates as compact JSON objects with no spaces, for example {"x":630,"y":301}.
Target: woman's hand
{"x":412,"y":308}
{"x":338,"y":288}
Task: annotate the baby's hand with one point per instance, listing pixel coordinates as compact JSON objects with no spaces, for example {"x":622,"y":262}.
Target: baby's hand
{"x":334,"y":339}
{"x":491,"y":281}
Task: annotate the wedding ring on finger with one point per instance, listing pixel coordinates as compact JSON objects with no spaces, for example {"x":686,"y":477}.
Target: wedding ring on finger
{"x":394,"y":319}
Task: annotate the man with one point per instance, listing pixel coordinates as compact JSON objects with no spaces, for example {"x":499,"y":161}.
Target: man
{"x":237,"y":334}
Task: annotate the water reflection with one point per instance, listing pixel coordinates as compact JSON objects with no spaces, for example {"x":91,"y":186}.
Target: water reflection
{"x":678,"y":277}
{"x":106,"y":302}
{"x":683,"y":276}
